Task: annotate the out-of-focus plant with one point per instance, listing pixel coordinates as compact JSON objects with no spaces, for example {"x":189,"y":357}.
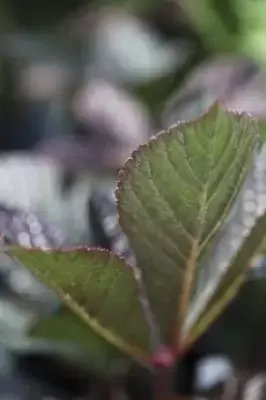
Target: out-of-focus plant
{"x":231,"y":25}
{"x":237,"y":82}
{"x":184,"y":202}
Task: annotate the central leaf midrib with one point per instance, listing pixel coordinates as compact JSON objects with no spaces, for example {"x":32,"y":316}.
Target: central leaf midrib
{"x":194,"y":253}
{"x":225,"y":212}
{"x":188,"y":279}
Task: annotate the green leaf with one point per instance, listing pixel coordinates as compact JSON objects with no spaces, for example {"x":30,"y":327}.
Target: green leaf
{"x":208,"y":16}
{"x":173,"y":196}
{"x":262,"y":126}
{"x":67,"y":352}
{"x":221,"y":273}
{"x":238,"y":244}
{"x":66,"y":327}
{"x":239,"y":332}
{"x":102,"y":293}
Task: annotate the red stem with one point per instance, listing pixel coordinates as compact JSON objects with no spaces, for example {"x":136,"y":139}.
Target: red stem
{"x":163,"y":384}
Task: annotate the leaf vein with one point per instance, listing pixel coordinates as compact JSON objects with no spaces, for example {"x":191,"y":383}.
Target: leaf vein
{"x":156,"y":226}
{"x":188,"y":165}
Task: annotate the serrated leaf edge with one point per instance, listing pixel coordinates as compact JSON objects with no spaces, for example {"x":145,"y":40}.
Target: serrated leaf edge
{"x":132,"y":161}
{"x":131,"y":351}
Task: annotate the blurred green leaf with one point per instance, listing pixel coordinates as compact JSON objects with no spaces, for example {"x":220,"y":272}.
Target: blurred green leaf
{"x":68,"y":352}
{"x":101,"y":292}
{"x":236,"y":26}
{"x":66,"y":327}
{"x":209,"y":16}
{"x":173,"y":196}
{"x":262,"y":126}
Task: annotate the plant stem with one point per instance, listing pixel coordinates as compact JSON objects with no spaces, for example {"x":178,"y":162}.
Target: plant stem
{"x":99,"y":391}
{"x":163,"y":384}
{"x":163,"y":381}
{"x":117,"y":392}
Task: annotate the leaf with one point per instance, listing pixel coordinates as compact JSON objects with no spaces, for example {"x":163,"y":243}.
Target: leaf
{"x":236,"y":81}
{"x":239,"y":332}
{"x":233,"y":251}
{"x":38,"y":180}
{"x":173,"y":196}
{"x":68,"y":352}
{"x":208,"y":16}
{"x":66,"y":327}
{"x":100,"y":290}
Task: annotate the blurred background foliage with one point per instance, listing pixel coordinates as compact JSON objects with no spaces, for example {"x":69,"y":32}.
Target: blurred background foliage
{"x":82,"y":84}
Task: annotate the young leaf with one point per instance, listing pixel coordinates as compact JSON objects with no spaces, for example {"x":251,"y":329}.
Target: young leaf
{"x":99,"y":288}
{"x":173,"y":196}
{"x":221,"y":272}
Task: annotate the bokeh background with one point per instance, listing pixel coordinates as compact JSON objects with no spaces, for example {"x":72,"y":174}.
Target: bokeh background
{"x":82,"y":84}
